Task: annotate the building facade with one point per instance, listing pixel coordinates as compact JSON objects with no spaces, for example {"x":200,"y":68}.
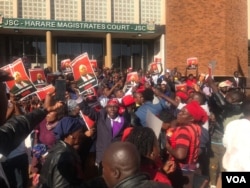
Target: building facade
{"x":118,"y":33}
{"x":127,"y":33}
{"x":213,"y":31}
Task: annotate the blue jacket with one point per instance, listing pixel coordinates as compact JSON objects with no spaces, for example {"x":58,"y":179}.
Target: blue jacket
{"x":141,"y":112}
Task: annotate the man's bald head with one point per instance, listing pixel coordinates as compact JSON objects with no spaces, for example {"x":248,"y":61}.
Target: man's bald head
{"x":121,"y":160}
{"x":83,"y":70}
{"x":17,"y":76}
{"x":39,"y":76}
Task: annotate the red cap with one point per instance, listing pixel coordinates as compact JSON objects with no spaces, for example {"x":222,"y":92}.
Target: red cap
{"x":196,"y":111}
{"x":126,"y":133}
{"x":113,"y":102}
{"x":128,"y":100}
{"x":182,"y":95}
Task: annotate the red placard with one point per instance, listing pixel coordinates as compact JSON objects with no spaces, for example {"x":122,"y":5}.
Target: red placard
{"x":42,"y":92}
{"x":37,"y":77}
{"x":83,"y":73}
{"x":181,"y":87}
{"x":132,"y":77}
{"x":89,"y":122}
{"x":66,"y":66}
{"x":21,"y":86}
{"x":192,"y":62}
{"x":93,"y":63}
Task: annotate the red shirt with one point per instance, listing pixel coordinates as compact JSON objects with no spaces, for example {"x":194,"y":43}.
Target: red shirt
{"x":187,"y":137}
{"x":152,"y":169}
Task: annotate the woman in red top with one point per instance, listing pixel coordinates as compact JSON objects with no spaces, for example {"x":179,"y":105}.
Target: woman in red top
{"x":183,"y":147}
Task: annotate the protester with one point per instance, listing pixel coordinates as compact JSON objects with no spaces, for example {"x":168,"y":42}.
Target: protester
{"x":109,"y":124}
{"x":183,"y":145}
{"x":147,"y":144}
{"x":17,"y":128}
{"x":225,"y":105}
{"x":116,"y":120}
{"x":62,"y":167}
{"x":235,"y":140}
{"x":121,"y":168}
{"x":148,"y":96}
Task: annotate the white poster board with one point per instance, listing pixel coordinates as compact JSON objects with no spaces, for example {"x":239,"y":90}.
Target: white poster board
{"x":154,"y":123}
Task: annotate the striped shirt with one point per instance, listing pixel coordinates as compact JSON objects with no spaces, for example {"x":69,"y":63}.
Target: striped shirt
{"x":187,"y":137}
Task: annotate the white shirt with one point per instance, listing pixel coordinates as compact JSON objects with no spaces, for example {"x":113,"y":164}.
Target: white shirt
{"x":21,"y":85}
{"x":86,"y":78}
{"x":40,"y":81}
{"x":117,"y":119}
{"x":237,"y":81}
{"x":236,"y":140}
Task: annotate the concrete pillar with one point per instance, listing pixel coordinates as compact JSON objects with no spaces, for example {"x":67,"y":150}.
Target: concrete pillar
{"x":108,"y":57}
{"x":49,"y":48}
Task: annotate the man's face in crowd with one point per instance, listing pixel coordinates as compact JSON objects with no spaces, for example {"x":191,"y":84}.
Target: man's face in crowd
{"x":163,"y":87}
{"x":119,"y":93}
{"x":112,"y":111}
{"x":138,"y":98}
{"x":236,"y":74}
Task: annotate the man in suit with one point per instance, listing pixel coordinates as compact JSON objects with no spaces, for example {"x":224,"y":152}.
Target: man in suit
{"x":39,"y":80}
{"x":19,"y":83}
{"x":238,"y":82}
{"x":85,"y":76}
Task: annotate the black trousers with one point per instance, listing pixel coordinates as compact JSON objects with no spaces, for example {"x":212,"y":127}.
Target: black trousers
{"x":18,"y":164}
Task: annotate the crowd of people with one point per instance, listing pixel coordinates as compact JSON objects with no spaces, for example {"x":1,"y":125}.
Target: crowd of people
{"x":48,"y":143}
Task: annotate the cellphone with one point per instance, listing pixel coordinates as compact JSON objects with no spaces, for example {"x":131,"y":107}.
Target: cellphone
{"x":60,"y":86}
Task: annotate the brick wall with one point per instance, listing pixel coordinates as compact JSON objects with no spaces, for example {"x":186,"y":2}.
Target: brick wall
{"x":210,"y":30}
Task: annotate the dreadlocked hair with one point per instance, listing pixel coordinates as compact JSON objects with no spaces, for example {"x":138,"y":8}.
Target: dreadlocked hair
{"x":143,"y":138}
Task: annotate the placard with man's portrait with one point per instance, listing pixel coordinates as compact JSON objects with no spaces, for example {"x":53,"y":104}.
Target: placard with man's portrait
{"x":21,"y":86}
{"x":37,"y":77}
{"x":83,"y":73}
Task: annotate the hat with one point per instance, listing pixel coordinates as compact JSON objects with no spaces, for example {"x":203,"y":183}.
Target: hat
{"x":113,"y":102}
{"x":163,"y":82}
{"x":225,"y":83}
{"x":182,"y":95}
{"x":196,"y":111}
{"x":126,"y":133}
{"x":71,"y":104}
{"x":66,"y":126}
{"x":128,"y":100}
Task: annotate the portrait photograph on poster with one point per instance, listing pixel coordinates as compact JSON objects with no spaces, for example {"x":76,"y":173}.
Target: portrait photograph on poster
{"x":192,"y":63}
{"x":37,"y":77}
{"x":66,"y":66}
{"x":21,"y":86}
{"x":83,"y":73}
